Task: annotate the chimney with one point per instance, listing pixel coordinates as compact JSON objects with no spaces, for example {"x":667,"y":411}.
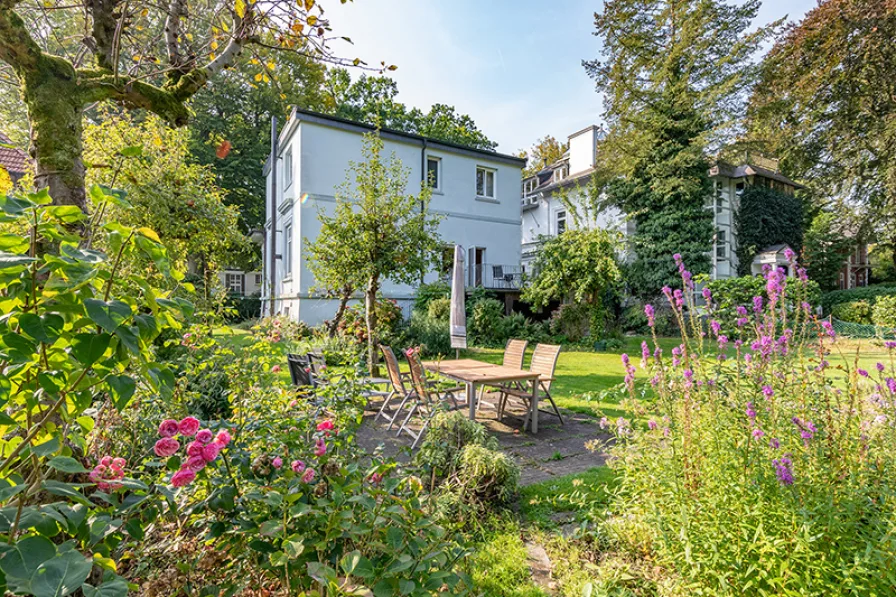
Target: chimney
{"x":583,"y":149}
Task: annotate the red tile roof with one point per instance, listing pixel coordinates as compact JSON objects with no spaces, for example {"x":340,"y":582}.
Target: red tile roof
{"x":14,"y":160}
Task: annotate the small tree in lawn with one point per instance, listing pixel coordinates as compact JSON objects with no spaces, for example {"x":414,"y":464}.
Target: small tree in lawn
{"x":377,"y":232}
{"x":578,"y":265}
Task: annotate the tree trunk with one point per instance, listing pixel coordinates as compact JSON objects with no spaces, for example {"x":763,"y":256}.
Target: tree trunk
{"x":370,"y":307}
{"x":56,"y":109}
{"x":347,"y":293}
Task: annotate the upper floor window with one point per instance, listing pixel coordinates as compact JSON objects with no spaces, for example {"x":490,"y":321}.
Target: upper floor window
{"x":561,"y":173}
{"x":235,"y":283}
{"x":485,"y":182}
{"x":287,"y":251}
{"x":719,"y":198}
{"x":561,"y":221}
{"x":721,"y":244}
{"x":434,"y":173}
{"x":739,"y":189}
{"x":529,"y":186}
{"x":287,"y":168}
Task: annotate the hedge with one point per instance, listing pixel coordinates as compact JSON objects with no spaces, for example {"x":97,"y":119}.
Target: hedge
{"x":866,"y":293}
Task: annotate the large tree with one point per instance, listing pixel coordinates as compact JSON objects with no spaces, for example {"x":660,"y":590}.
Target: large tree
{"x":66,"y":56}
{"x":675,"y":75}
{"x":377,"y":232}
{"x":826,"y":105}
{"x":544,"y":152}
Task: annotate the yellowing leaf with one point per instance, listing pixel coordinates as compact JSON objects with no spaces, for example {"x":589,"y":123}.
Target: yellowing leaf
{"x":311,"y":20}
{"x":214,"y":45}
{"x":258,"y":77}
{"x":150,"y":234}
{"x":240,"y":8}
{"x":309,"y":4}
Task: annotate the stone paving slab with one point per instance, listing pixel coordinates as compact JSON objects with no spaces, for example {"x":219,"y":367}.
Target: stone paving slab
{"x":555,"y":451}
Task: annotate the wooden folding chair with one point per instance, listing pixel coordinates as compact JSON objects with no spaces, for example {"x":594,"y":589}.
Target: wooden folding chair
{"x":427,"y":399}
{"x":399,"y":390}
{"x":300,"y":371}
{"x":544,"y":362}
{"x":514,"y":354}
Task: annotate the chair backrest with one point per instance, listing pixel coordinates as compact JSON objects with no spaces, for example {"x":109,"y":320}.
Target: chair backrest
{"x":514,"y":353}
{"x":299,"y":370}
{"x":544,"y":362}
{"x":393,"y":369}
{"x":418,"y":376}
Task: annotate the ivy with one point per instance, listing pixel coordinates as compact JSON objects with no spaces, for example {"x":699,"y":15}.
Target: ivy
{"x":766,"y":217}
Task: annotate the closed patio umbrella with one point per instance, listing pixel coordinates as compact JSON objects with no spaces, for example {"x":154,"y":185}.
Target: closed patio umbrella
{"x":458,"y":321}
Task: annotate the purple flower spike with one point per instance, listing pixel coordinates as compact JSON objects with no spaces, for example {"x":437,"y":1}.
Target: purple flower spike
{"x":783,"y":470}
{"x":757,"y":304}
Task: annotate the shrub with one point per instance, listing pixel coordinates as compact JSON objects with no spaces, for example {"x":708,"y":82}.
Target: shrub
{"x":884,"y":313}
{"x":573,"y":321}
{"x":439,"y":309}
{"x":430,"y":292}
{"x":853,"y":312}
{"x":732,"y":293}
{"x":758,"y":474}
{"x":242,"y":308}
{"x":484,"y":321}
{"x":448,"y":434}
{"x":486,"y":476}
{"x":633,"y":320}
{"x":389,"y":319}
{"x":866,"y":293}
{"x":431,"y":335}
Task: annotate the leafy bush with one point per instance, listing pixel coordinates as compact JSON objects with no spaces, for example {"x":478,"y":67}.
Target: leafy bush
{"x":759,"y":474}
{"x":486,"y":476}
{"x":572,"y":321}
{"x":242,"y":308}
{"x":634,"y":320}
{"x":448,"y":434}
{"x":731,"y":295}
{"x":439,"y":309}
{"x":431,"y":335}
{"x":884,"y":313}
{"x":766,"y":217}
{"x":866,"y":293}
{"x":389,"y":319}
{"x":483,"y":322}
{"x":853,"y":312}
{"x":429,"y":292}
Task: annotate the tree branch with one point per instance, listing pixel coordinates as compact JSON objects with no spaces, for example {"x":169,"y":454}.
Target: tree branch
{"x":99,"y":86}
{"x":17,"y":47}
{"x":105,"y":24}
{"x":172,"y":32}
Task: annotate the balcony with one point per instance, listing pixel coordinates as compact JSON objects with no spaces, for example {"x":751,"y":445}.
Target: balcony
{"x":495,"y":277}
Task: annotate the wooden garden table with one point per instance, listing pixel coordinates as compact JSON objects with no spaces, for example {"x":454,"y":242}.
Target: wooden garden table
{"x":471,"y":373}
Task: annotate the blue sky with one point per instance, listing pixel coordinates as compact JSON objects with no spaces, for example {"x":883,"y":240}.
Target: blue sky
{"x":513,"y":65}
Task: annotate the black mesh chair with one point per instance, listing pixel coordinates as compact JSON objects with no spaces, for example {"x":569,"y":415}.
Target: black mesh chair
{"x":300,"y":370}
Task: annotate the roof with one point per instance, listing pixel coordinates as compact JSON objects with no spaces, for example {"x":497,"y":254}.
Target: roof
{"x":360,"y":127}
{"x":13,"y":159}
{"x":747,"y":169}
{"x":779,"y":248}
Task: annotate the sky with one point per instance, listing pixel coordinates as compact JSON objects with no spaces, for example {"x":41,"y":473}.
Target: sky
{"x":515,"y":66}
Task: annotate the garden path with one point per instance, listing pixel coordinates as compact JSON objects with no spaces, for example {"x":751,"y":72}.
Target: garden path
{"x":555,"y":451}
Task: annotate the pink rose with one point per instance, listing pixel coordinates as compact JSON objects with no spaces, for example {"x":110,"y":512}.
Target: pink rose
{"x":277,"y":462}
{"x":119,"y":462}
{"x":325,"y":426}
{"x":165,"y":447}
{"x":297,"y":466}
{"x":188,"y":426}
{"x":106,"y":461}
{"x":205,"y":436}
{"x":275,"y":369}
{"x":375,"y":478}
{"x":308,"y":477}
{"x":168,"y":428}
{"x":211,"y":451}
{"x":320,"y":447}
{"x":293,"y":403}
{"x":100,"y":469}
{"x":223,"y":437}
{"x":194,"y":448}
{"x":183,"y":477}
{"x":195,"y":463}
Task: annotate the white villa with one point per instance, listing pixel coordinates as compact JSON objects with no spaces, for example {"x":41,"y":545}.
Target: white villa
{"x":476,"y":192}
{"x":548,"y":195}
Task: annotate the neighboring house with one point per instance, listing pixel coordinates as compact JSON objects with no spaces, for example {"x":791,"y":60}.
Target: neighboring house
{"x":476,"y":192}
{"x":239,"y":283}
{"x":13,"y":160}
{"x":856,"y":269}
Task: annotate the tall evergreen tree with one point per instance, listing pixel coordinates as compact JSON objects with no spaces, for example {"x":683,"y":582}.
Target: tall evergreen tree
{"x":675,"y":75}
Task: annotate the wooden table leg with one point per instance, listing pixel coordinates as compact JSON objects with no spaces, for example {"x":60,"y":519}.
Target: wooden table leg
{"x":471,"y":399}
{"x":534,"y":407}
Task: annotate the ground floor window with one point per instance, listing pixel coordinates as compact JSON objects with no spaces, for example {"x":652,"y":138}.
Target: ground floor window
{"x":235,"y":283}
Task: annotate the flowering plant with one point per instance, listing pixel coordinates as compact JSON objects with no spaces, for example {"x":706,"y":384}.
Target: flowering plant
{"x":762,"y":467}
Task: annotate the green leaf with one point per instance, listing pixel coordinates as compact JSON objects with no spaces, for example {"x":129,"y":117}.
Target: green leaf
{"x":48,"y":447}
{"x":67,"y":464}
{"x":69,"y":490}
{"x":128,"y":338}
{"x":278,"y":558}
{"x":9,"y":490}
{"x":18,"y":347}
{"x":354,"y":564}
{"x":107,"y":315}
{"x":406,"y":587}
{"x":122,"y":388}
{"x":46,"y":328}
{"x":10,"y":260}
{"x":61,"y":576}
{"x":14,"y":243}
{"x":321,"y":572}
{"x":89,"y":348}
{"x":66,"y":214}
{"x":131,"y":151}
{"x":20,"y":561}
{"x":114,"y":588}
{"x":15,"y":206}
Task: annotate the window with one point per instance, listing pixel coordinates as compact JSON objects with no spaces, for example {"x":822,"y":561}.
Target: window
{"x":258,"y":279}
{"x":235,"y":283}
{"x":561,"y":173}
{"x":529,"y":186}
{"x":739,"y":189}
{"x":720,"y":201}
{"x":485,"y":182}
{"x":721,"y":244}
{"x":287,"y":253}
{"x":561,"y":221}
{"x":434,"y":173}
{"x":287,"y":168}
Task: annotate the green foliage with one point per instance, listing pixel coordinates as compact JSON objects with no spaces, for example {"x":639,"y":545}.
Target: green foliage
{"x":483,"y":321}
{"x":572,"y":321}
{"x":853,"y":312}
{"x":825,"y":250}
{"x":242,"y":308}
{"x":439,"y":309}
{"x":431,"y":335}
{"x":633,"y":320}
{"x":485,"y":475}
{"x":545,"y":152}
{"x":884,"y":313}
{"x":428,"y":292}
{"x":372,"y":100}
{"x":869,"y":294}
{"x":388,"y":320}
{"x":730,"y":293}
{"x":448,"y":434}
{"x":579,"y":266}
{"x":766,"y":217}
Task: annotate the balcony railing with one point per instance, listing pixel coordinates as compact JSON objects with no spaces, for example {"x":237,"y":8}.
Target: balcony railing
{"x":495,"y":277}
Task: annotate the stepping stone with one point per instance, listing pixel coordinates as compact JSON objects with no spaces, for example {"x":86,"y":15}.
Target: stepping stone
{"x":540,"y":567}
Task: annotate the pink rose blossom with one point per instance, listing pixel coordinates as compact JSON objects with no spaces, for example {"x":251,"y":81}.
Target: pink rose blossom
{"x":211,"y":451}
{"x":275,"y":369}
{"x":205,"y":436}
{"x":194,"y":448}
{"x":188,"y":426}
{"x":183,"y":477}
{"x":277,"y":462}
{"x":168,"y":428}
{"x":308,"y":477}
{"x":165,"y":447}
{"x":119,"y":462}
{"x":325,"y":425}
{"x":195,"y":463}
{"x":106,"y":461}
{"x":375,"y":478}
{"x":223,"y":437}
{"x":297,"y":466}
{"x":320,"y":447}
{"x":293,"y":403}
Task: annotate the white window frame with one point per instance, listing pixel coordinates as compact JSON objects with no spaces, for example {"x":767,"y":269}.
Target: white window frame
{"x":486,"y":171}
{"x":287,"y":250}
{"x":561,"y":216}
{"x":230,"y":278}
{"x":287,"y":169}
{"x":435,"y":185}
{"x":721,"y":244}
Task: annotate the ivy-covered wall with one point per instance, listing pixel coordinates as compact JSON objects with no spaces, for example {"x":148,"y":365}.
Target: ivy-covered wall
{"x":766,"y":217}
